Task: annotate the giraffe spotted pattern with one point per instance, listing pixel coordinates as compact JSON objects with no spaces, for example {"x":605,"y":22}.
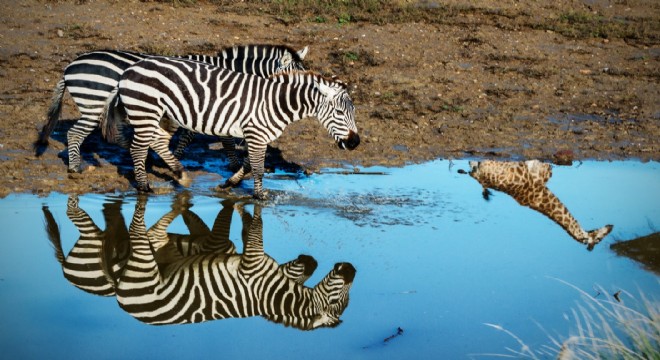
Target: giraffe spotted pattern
{"x":526,"y":183}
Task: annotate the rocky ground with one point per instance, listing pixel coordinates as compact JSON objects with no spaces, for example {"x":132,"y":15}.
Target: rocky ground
{"x":552,"y":80}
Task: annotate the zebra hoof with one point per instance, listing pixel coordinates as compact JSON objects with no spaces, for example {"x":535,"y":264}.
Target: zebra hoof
{"x":234,"y":167}
{"x":227,"y":185}
{"x":184,"y":180}
{"x":260,"y":195}
{"x":74,"y":170}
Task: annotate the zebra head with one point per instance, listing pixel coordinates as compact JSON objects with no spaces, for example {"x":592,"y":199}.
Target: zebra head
{"x":331,"y":296}
{"x":337,"y":113}
{"x":291,"y":60}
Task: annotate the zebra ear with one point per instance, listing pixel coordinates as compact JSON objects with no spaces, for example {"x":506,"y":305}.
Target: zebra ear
{"x":286,"y":60}
{"x":303,"y":52}
{"x":327,"y":91}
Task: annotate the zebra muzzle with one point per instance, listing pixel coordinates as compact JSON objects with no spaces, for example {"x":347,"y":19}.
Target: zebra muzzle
{"x":351,"y":142}
{"x":346,"y":271}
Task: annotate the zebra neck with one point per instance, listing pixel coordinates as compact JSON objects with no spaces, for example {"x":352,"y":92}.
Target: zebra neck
{"x":295,"y":102}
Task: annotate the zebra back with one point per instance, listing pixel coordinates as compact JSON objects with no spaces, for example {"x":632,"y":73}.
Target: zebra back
{"x":260,"y":60}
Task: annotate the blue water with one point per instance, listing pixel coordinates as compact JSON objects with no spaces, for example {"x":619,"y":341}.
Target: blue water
{"x":433,"y":258}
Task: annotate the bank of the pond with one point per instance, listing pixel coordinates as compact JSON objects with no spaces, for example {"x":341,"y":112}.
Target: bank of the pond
{"x":460,"y":79}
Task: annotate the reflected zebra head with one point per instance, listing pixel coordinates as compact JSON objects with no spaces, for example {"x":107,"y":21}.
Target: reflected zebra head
{"x":337,"y":113}
{"x":331,"y":296}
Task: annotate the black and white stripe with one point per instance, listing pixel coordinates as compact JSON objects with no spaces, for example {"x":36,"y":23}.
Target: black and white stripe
{"x":98,"y":256}
{"x":97,"y":259}
{"x":92,"y":76}
{"x":218,"y":286}
{"x":215,"y":101}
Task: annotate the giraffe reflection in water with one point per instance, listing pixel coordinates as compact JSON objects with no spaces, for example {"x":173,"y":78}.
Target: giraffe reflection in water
{"x":526,"y":183}
{"x":164,"y":278}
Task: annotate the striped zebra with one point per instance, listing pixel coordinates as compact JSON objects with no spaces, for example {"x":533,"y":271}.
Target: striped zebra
{"x":98,"y":257}
{"x":92,"y":76}
{"x":217,"y":286}
{"x":215,"y":101}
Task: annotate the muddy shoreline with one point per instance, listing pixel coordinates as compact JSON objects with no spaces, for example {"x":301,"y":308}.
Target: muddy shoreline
{"x":462,"y":80}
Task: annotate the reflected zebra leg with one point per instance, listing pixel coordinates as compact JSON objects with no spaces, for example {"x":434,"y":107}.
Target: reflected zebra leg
{"x":141,"y":275}
{"x":298,"y":270}
{"x":253,"y":261}
{"x":219,"y":242}
{"x":157,"y":233}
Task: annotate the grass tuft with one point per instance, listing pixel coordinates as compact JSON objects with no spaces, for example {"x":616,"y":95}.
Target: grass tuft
{"x":621,"y":327}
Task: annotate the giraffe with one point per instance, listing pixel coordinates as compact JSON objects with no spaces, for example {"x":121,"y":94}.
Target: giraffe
{"x":526,"y":183}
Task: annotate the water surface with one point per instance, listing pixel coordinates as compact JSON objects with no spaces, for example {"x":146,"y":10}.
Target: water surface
{"x":434,"y":261}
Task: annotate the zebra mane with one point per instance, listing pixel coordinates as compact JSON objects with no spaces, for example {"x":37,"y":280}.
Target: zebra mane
{"x":228,"y":52}
{"x":303,"y":76}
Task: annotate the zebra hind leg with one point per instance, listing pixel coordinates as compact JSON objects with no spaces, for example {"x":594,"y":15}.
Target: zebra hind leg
{"x":139,"y":154}
{"x":230,"y":148}
{"x":75,"y":138}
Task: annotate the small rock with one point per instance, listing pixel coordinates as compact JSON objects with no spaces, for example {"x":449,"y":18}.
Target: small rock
{"x":60,"y":33}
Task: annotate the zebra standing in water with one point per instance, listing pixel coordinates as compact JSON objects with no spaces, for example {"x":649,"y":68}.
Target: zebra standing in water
{"x":215,"y":101}
{"x":98,"y":257}
{"x":92,"y":76}
{"x":217,"y":286}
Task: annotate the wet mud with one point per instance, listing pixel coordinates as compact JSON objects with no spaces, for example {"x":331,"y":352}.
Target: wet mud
{"x":555,"y":81}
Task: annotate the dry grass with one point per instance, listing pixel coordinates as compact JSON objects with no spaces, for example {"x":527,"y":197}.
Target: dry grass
{"x":621,"y":327}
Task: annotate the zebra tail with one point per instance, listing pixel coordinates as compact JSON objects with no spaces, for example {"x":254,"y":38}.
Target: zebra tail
{"x":53,"y":231}
{"x":108,"y":117}
{"x":53,"y":116}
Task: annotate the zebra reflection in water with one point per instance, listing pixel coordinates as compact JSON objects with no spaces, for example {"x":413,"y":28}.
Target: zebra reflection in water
{"x":168,"y":278}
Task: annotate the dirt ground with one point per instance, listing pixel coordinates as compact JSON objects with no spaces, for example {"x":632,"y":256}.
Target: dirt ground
{"x":552,"y":80}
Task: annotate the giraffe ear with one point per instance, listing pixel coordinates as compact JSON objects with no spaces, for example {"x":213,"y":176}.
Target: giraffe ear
{"x":286,"y":60}
{"x":327,"y":91}
{"x":303,"y":52}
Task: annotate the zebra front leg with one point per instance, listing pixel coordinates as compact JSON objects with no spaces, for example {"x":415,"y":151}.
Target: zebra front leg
{"x":160,"y":145}
{"x":186,"y":138}
{"x":257,"y":155}
{"x":238,"y":176}
{"x":253,"y":261}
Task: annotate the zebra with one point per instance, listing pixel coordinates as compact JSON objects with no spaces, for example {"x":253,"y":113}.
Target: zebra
{"x":215,"y":101}
{"x":91,"y":77}
{"x":217,"y":286}
{"x":98,"y":257}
